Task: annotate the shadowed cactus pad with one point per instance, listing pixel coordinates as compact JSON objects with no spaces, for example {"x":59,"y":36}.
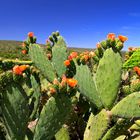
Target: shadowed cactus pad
{"x":52,"y":117}
{"x":15,"y":111}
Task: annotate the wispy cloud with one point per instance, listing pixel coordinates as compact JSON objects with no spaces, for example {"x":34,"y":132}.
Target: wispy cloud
{"x":134,"y":14}
{"x":130,"y":28}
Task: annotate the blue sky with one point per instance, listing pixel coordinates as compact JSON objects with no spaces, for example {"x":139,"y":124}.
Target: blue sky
{"x":83,"y":23}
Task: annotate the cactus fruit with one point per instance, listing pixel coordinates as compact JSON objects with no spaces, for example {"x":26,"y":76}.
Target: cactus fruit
{"x":38,"y":57}
{"x":97,"y":126}
{"x":108,"y":77}
{"x":52,"y":117}
{"x":128,"y":107}
{"x":15,"y":111}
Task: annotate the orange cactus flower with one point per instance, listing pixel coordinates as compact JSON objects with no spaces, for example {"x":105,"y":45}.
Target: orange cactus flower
{"x":23,"y":67}
{"x":18,"y":70}
{"x":67,"y":62}
{"x":86,"y":57}
{"x":137,"y":70}
{"x":74,"y":54}
{"x":111,"y":36}
{"x":24,"y":51}
{"x":72,"y":82}
{"x":30,"y":34}
{"x":122,"y":38}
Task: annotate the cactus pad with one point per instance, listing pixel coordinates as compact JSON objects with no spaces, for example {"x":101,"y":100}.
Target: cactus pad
{"x":59,"y":56}
{"x":108,"y":77}
{"x":52,"y":117}
{"x":98,"y":126}
{"x":62,"y":134}
{"x":129,"y":107}
{"x":86,"y":84}
{"x":15,"y":111}
{"x":41,"y":61}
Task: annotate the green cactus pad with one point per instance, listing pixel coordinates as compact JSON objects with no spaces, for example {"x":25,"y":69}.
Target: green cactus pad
{"x":52,"y":117}
{"x":41,"y":61}
{"x":108,"y":77}
{"x":36,"y":95}
{"x":97,"y":126}
{"x":60,"y":41}
{"x":120,"y":128}
{"x":59,"y":54}
{"x":129,"y":107}
{"x":15,"y":111}
{"x":62,"y":134}
{"x":133,"y":61}
{"x":86,"y":84}
{"x":122,"y":137}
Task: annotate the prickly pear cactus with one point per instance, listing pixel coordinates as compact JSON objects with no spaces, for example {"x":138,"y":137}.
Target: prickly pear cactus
{"x":59,"y":53}
{"x":52,"y":117}
{"x":108,"y":77}
{"x":97,"y":126}
{"x":36,"y":95}
{"x":15,"y":111}
{"x":128,"y":107}
{"x":87,"y":85}
{"x":41,"y":61}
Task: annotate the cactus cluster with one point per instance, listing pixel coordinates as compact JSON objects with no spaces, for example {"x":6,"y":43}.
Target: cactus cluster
{"x":57,"y":95}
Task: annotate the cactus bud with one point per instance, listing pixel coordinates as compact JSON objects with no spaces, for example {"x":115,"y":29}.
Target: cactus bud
{"x":51,"y":39}
{"x":119,"y":46}
{"x":104,"y":44}
{"x":57,"y":33}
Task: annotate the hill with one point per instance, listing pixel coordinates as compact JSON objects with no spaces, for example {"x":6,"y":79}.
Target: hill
{"x":12,"y":49}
